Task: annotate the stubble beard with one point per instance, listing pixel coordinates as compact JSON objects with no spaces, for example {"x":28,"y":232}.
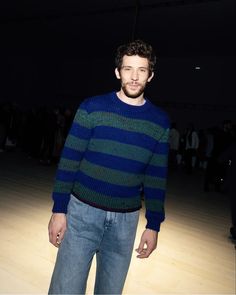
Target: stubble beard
{"x":136,"y":94}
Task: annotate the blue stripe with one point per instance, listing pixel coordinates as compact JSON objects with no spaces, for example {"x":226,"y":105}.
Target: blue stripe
{"x":162,"y":148}
{"x":80,"y":131}
{"x":71,"y":154}
{"x":63,"y":175}
{"x":152,"y":193}
{"x":105,"y":188}
{"x":156,"y":171}
{"x":127,"y":137}
{"x":114,"y":162}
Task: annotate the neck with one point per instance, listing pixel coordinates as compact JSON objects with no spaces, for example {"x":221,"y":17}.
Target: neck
{"x":139,"y":101}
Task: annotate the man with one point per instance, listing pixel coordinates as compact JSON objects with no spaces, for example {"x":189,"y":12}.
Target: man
{"x":116,"y":148}
{"x":174,"y":138}
{"x":192,"y":144}
{"x":228,"y":159}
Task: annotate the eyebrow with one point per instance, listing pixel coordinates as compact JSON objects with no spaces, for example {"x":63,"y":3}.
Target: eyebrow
{"x":146,"y":68}
{"x":143,"y":68}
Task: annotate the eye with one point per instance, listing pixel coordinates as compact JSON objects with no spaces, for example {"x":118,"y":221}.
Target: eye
{"x":126,"y":68}
{"x":143,"y":70}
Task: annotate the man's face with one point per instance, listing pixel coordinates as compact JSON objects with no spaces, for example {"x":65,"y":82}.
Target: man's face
{"x":134,"y":75}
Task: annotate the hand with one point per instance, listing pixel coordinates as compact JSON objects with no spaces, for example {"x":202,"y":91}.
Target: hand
{"x":57,"y":228}
{"x":148,"y":243}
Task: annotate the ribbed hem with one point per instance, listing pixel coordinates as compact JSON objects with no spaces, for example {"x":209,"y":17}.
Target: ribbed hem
{"x":104,"y":207}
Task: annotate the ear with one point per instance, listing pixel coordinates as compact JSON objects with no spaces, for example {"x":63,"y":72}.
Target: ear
{"x":150,"y":78}
{"x":117,"y":73}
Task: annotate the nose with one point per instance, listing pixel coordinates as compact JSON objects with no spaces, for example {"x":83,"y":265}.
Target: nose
{"x":134,"y":75}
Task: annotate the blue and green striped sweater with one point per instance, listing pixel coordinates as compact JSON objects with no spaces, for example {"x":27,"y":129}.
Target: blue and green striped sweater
{"x":112,"y":153}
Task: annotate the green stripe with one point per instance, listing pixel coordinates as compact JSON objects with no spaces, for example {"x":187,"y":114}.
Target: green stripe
{"x":68,"y":165}
{"x":110,"y":175}
{"x":155,"y":182}
{"x":82,"y":118}
{"x":159,"y":160}
{"x":114,"y":148}
{"x":165,"y":136}
{"x":128,"y":124}
{"x":63,"y":187}
{"x":154,"y":205}
{"x":99,"y":199}
{"x":76,"y":143}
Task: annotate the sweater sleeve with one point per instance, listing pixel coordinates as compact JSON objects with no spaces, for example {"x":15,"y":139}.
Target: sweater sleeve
{"x":155,"y":183}
{"x":74,"y":148}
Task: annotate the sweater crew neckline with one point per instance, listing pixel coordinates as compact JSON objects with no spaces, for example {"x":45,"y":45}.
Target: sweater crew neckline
{"x":128,"y":107}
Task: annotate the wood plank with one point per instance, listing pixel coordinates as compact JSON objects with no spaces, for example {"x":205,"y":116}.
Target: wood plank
{"x":194,"y":254}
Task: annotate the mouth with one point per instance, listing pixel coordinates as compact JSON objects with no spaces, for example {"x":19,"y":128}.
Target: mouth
{"x":133,"y":86}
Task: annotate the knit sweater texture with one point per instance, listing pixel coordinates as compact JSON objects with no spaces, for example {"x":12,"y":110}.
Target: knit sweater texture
{"x":113,"y":153}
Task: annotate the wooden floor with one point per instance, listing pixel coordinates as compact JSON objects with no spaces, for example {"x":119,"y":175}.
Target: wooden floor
{"x":194,"y":254}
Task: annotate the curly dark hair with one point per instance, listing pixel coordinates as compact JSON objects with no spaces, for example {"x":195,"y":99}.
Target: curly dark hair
{"x":137,"y":47}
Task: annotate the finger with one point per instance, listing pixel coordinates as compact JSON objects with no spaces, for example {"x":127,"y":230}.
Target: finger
{"x":59,"y":238}
{"x":51,"y":234}
{"x":53,"y":238}
{"x":58,"y":242}
{"x":140,"y":247}
{"x":145,"y":253}
{"x":54,"y":241}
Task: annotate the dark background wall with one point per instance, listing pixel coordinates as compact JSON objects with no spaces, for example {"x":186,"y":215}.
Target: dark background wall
{"x":62,"y":54}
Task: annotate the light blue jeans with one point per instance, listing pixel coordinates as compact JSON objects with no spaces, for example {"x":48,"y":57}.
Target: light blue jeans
{"x":109,"y":235}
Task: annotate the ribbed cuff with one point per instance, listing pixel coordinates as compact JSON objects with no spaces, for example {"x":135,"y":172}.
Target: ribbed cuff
{"x":60,"y":202}
{"x":152,"y":226}
{"x":154,"y":220}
